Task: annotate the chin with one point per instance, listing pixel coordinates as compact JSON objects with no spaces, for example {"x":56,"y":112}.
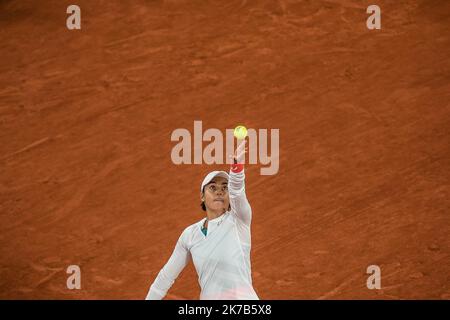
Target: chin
{"x":219,"y":208}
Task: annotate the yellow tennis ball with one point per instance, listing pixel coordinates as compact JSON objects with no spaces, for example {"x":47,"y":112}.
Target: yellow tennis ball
{"x":240,"y":132}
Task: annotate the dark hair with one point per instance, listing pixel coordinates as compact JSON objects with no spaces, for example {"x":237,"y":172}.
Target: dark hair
{"x":202,"y":205}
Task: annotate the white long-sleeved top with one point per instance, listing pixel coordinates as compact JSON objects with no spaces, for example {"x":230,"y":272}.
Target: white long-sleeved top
{"x":221,"y":258}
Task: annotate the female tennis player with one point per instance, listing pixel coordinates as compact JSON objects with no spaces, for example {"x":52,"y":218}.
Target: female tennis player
{"x":219,"y":244}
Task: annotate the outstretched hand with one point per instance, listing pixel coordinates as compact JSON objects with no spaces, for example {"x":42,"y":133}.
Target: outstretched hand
{"x":239,"y":153}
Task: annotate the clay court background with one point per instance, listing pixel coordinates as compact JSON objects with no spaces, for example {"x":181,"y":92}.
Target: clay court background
{"x":86,"y":176}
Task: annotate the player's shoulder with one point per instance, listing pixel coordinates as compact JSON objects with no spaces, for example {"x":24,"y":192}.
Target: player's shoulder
{"x":190,"y":231}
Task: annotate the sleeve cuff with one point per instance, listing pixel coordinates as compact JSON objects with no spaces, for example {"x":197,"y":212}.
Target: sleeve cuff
{"x":237,"y":167}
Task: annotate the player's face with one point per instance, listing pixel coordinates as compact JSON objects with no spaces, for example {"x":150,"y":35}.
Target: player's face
{"x":216,"y":195}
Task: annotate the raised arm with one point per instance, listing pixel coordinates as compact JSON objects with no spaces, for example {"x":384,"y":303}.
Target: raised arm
{"x":238,"y":199}
{"x":236,"y":186}
{"x":169,"y":273}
